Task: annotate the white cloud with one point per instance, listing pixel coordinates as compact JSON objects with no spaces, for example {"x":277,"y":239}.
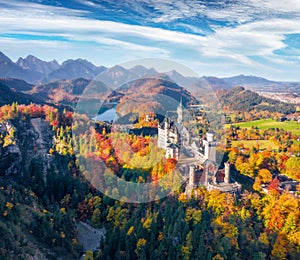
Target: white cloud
{"x":226,"y":49}
{"x":30,"y":7}
{"x":277,"y":6}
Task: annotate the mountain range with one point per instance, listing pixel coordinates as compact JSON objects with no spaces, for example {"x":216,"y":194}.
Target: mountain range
{"x":36,"y":71}
{"x":49,"y":81}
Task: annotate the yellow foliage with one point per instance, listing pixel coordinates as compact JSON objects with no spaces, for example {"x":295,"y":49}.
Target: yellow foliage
{"x":280,"y":248}
{"x":265,"y":175}
{"x":62,"y":235}
{"x":9,"y":138}
{"x":160,"y":236}
{"x":182,"y":198}
{"x":197,"y":216}
{"x":96,"y":201}
{"x":9,"y":205}
{"x":188,"y":214}
{"x":140,"y":180}
{"x":74,"y":241}
{"x":89,"y":255}
{"x":226,"y":229}
{"x":147,"y":223}
{"x":263,"y":238}
{"x":130,"y":230}
{"x":244,"y":213}
{"x":217,"y":257}
{"x":256,"y":185}
{"x":141,"y":243}
{"x":185,"y":252}
{"x":294,"y":237}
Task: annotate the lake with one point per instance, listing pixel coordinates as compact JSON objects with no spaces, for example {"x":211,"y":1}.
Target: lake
{"x":108,"y":115}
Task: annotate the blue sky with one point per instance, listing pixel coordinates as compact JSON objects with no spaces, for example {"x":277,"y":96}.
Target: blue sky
{"x":213,"y":38}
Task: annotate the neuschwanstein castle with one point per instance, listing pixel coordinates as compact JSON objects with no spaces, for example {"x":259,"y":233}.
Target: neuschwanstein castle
{"x":196,"y":158}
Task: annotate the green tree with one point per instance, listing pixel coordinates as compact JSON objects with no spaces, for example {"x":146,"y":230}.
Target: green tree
{"x":96,"y":218}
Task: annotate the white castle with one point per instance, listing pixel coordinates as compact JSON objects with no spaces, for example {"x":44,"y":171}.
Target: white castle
{"x":196,"y":158}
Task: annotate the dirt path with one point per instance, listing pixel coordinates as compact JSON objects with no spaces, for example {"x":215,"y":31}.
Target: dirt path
{"x":90,"y":238}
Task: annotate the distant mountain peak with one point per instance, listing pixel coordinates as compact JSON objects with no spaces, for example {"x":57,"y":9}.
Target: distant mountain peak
{"x":4,"y":58}
{"x":79,"y":68}
{"x":138,"y":67}
{"x":33,"y":63}
{"x":117,"y":67}
{"x":32,"y":57}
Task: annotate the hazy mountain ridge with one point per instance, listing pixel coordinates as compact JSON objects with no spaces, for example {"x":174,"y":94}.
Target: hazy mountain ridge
{"x":34,"y":70}
{"x":117,"y":76}
{"x":71,"y":69}
{"x":9,"y":69}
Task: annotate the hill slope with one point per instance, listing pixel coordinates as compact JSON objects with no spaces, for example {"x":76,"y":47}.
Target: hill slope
{"x":151,"y":94}
{"x":16,"y":84}
{"x":8,"y":96}
{"x":62,"y":91}
{"x":240,"y":99}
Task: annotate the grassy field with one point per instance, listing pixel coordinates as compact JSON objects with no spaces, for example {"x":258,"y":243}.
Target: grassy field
{"x":263,"y":144}
{"x":265,"y":124}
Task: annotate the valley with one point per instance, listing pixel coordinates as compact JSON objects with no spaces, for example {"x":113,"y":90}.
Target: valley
{"x":67,"y":179}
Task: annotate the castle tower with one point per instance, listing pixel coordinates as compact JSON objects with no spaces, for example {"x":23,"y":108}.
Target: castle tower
{"x":180,"y":113}
{"x":210,"y":147}
{"x":191,"y":176}
{"x":167,"y":123}
{"x":227,"y":172}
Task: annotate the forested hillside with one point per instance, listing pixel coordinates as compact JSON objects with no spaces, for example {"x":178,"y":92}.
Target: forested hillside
{"x":240,"y":99}
{"x":44,"y":193}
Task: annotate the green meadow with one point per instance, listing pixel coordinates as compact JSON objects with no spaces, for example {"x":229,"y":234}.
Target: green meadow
{"x":265,"y":124}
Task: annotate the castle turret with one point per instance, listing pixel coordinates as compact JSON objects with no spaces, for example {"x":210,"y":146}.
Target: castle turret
{"x":167,"y":124}
{"x":210,"y":147}
{"x":210,"y":136}
{"x":227,"y":172}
